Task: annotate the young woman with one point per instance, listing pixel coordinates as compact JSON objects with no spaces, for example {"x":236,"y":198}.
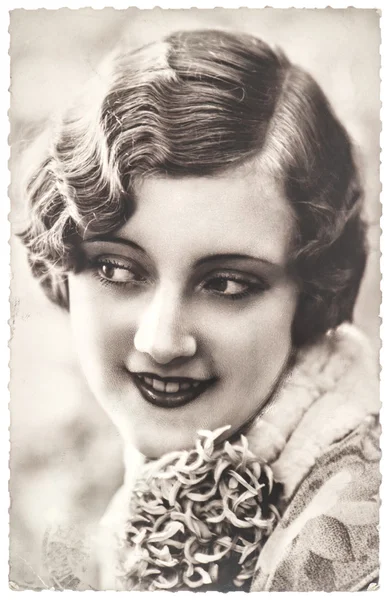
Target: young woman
{"x":199,"y":215}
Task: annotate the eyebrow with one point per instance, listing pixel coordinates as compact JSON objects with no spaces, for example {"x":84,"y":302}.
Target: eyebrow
{"x":204,"y":260}
{"x":234,"y":256}
{"x":115,"y":240}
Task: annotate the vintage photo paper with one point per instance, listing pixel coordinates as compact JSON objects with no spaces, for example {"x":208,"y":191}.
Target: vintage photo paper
{"x":195,"y":295}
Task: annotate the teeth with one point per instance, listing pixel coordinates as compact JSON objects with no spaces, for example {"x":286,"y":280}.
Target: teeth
{"x":158,"y":385}
{"x":174,"y":387}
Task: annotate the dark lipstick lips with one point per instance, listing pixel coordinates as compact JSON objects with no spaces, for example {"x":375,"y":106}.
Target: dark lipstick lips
{"x":164,"y":399}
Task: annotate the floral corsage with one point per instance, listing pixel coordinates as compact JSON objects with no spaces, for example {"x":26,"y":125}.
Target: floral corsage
{"x":195,"y":512}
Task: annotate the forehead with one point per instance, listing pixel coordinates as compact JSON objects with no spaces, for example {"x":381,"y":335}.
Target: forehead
{"x":243,"y":210}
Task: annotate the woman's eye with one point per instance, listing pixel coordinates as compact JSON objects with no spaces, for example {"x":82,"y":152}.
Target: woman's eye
{"x":115,"y":273}
{"x":233,"y":288}
{"x":226,"y":287}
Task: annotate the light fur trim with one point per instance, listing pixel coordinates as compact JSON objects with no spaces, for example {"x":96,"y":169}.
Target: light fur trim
{"x":332,"y":388}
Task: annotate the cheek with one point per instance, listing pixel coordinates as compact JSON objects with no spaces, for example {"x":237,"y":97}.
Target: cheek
{"x":100,"y":334}
{"x":256,"y":340}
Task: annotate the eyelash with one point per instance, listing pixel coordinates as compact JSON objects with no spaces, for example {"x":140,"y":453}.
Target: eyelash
{"x":252,"y":287}
{"x":97,"y":264}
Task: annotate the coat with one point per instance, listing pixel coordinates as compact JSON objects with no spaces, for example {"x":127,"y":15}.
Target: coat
{"x":320,"y":435}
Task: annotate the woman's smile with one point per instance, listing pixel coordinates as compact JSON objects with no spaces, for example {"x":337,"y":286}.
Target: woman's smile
{"x":170,"y":392}
{"x":183,"y":316}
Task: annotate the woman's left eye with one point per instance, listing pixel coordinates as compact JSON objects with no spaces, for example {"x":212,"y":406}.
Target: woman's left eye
{"x":230,"y":287}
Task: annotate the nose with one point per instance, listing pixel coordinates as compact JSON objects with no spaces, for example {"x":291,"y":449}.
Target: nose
{"x":161,"y":332}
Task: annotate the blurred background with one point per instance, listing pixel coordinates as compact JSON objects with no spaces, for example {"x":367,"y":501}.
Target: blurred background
{"x":66,"y":458}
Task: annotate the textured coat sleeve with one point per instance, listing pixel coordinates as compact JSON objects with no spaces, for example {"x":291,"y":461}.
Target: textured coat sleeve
{"x":327,"y":539}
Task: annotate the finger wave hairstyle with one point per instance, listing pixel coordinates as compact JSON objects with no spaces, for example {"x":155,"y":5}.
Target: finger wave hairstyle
{"x":196,"y":104}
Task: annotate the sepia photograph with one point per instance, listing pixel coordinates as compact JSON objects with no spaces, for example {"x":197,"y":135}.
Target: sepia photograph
{"x":195,"y":300}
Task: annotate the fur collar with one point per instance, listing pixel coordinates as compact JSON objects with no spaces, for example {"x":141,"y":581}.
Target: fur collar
{"x":331,"y":389}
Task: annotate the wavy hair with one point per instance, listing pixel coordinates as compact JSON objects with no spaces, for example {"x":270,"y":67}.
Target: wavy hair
{"x":195,"y":104}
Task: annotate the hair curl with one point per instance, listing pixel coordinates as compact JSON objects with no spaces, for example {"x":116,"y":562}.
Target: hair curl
{"x":195,"y":104}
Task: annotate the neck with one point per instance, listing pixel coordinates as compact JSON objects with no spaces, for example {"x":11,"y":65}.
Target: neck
{"x":266,"y":405}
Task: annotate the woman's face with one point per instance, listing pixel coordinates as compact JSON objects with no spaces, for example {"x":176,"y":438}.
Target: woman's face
{"x":182,"y":318}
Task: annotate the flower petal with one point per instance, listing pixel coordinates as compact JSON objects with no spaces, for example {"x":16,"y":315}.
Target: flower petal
{"x":243,"y":482}
{"x":165,"y":584}
{"x":204,"y":578}
{"x":207,"y":558}
{"x":214,"y":434}
{"x":221,"y":466}
{"x":167,"y":533}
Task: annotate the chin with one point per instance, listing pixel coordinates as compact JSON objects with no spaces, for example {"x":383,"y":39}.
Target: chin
{"x":154,"y":444}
